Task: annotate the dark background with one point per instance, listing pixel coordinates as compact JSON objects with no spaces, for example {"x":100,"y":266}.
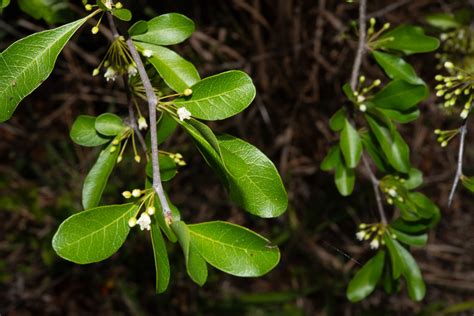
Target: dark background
{"x":299,"y":54}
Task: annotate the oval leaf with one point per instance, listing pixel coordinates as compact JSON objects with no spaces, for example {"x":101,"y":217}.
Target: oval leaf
{"x":408,"y":39}
{"x":28,"y":62}
{"x":220,"y":96}
{"x":332,"y":159}
{"x":365,"y":280}
{"x":234,"y":249}
{"x":167,"y":168}
{"x":400,"y":95}
{"x":344,"y":179}
{"x":396,"y":68}
{"x":178,"y":73}
{"x":95,"y":182}
{"x":122,"y":14}
{"x":412,"y":240}
{"x":350,"y":144}
{"x":167,"y":29}
{"x":109,"y":124}
{"x":95,"y":234}
{"x":83,"y":132}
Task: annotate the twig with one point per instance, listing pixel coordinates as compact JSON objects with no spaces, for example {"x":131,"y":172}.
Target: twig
{"x":355,"y":73}
{"x":458,"y":175}
{"x":152,"y":102}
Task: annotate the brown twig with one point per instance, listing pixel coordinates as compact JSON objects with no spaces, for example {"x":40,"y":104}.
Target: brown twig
{"x":458,"y":175}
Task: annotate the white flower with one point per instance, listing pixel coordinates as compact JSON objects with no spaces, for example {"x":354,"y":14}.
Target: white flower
{"x":108,"y":4}
{"x":360,"y":235}
{"x":142,"y":123}
{"x":147,"y":53}
{"x":392,"y":192}
{"x":144,"y":221}
{"x":360,"y":98}
{"x":183,"y":114}
{"x":110,"y":74}
{"x":132,"y":70}
{"x":374,"y":244}
{"x":363,"y":107}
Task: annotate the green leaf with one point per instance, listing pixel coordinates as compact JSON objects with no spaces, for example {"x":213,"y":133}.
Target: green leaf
{"x":219,"y":96}
{"x":332,"y":159}
{"x":95,"y":234}
{"x":443,"y":21}
{"x":416,"y":227}
{"x":109,"y":124}
{"x":83,"y":132}
{"x":96,"y":180}
{"x":337,"y":121}
{"x":468,"y":183}
{"x":4,"y":3}
{"x":350,"y":144}
{"x":395,"y":258}
{"x":365,"y":280}
{"x":195,"y":264}
{"x":346,"y":88}
{"x":138,"y":28}
{"x":160,"y":218}
{"x":415,"y":179}
{"x":344,"y":179}
{"x":167,"y":168}
{"x":52,"y":11}
{"x":254,"y":182}
{"x":411,"y":272}
{"x":394,"y":147}
{"x":166,"y":29}
{"x":408,"y":39}
{"x":412,"y":240}
{"x":396,"y":68}
{"x":399,"y":95}
{"x":402,"y":116}
{"x":122,"y":14}
{"x":178,"y":73}
{"x":425,"y":207}
{"x":234,"y":249}
{"x":162,"y":264}
{"x":28,"y":62}
{"x":165,"y":128}
{"x":374,"y":151}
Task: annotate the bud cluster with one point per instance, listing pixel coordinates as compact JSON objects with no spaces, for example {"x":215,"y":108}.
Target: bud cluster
{"x":372,"y":232}
{"x":362,"y":92}
{"x":444,"y":137}
{"x":146,"y":203}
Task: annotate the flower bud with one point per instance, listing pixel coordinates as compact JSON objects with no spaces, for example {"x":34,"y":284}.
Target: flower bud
{"x":150,"y":210}
{"x":132,"y":222}
{"x":187,"y":92}
{"x":127,"y":194}
{"x":136,"y":193}
{"x":95,"y":30}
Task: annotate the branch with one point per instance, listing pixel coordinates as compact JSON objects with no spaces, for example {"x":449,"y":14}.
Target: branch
{"x":457,"y":177}
{"x":355,"y":74}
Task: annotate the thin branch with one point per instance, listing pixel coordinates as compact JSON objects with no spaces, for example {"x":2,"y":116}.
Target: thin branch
{"x":355,"y":74}
{"x":458,"y":175}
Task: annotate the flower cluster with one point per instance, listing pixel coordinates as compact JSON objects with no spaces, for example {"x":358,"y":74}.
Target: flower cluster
{"x":393,"y":188}
{"x":144,"y":221}
{"x":183,"y":114}
{"x":362,"y":92}
{"x":107,"y":4}
{"x":374,"y":232}
{"x":178,"y":159}
{"x":445,"y":136}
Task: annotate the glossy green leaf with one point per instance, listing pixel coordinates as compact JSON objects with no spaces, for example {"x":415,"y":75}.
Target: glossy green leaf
{"x":122,"y":14}
{"x":52,"y":11}
{"x":395,"y":259}
{"x":165,"y":128}
{"x":160,"y":218}
{"x":415,"y":179}
{"x":83,"y":132}
{"x":4,"y":4}
{"x":25,"y":64}
{"x":204,"y":132}
{"x":109,"y":124}
{"x":234,"y":249}
{"x":219,"y":96}
{"x":397,"y":68}
{"x":412,"y":240}
{"x":443,"y":21}
{"x":96,"y":180}
{"x":411,"y":272}
{"x":344,"y":179}
{"x":95,"y":234}
{"x":416,"y":227}
{"x":162,"y":264}
{"x":394,"y":147}
{"x":178,"y":73}
{"x":332,"y":159}
{"x":408,"y":39}
{"x":425,"y":207}
{"x":138,"y":28}
{"x":468,"y":183}
{"x":400,"y":95}
{"x":402,"y":116}
{"x":346,"y":88}
{"x":337,"y":121}
{"x":350,"y":144}
{"x":254,"y":182}
{"x":167,"y":168}
{"x":166,"y":29}
{"x":374,"y":151}
{"x":195,"y":264}
{"x":365,"y":280}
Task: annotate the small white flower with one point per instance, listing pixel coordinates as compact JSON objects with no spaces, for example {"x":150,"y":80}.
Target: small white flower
{"x":360,"y":235}
{"x":448,"y":65}
{"x":110,"y":74}
{"x":363,"y":107}
{"x":132,"y":70}
{"x":132,"y":222}
{"x":183,"y":114}
{"x":142,"y":125}
{"x":360,"y":98}
{"x":374,"y":244}
{"x":392,"y":192}
{"x":108,"y":4}
{"x":464,"y":114}
{"x":147,"y":53}
{"x":144,"y":221}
